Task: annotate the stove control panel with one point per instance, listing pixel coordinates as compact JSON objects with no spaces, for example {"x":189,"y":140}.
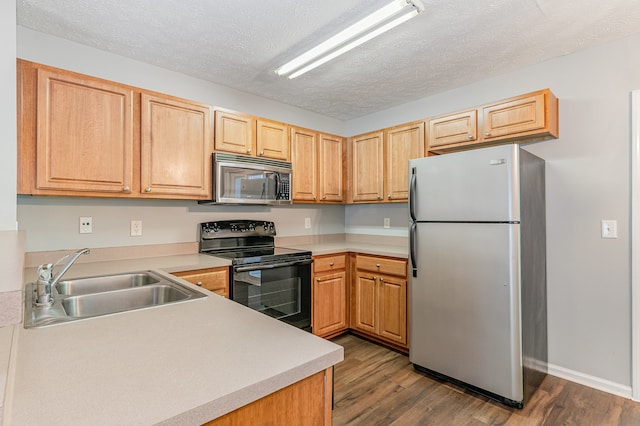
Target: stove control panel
{"x":236,"y":228}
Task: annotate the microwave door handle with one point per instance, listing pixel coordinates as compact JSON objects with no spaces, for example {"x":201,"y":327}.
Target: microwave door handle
{"x":278,"y":186}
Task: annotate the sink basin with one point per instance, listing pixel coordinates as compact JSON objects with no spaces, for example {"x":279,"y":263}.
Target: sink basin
{"x":91,"y":305}
{"x":105,"y":283}
{"x":82,"y":298}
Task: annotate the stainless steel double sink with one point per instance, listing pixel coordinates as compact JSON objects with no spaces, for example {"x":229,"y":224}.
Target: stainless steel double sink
{"x":82,"y":298}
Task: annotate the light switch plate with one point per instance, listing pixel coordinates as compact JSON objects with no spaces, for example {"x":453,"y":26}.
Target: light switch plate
{"x":136,"y":228}
{"x":86,"y":225}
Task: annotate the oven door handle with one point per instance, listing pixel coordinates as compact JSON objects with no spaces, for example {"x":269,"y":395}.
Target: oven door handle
{"x":272,"y":266}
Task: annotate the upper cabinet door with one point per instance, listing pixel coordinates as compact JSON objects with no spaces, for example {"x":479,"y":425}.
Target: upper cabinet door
{"x":403,"y":143}
{"x":176,"y":148}
{"x":304,"y":163}
{"x":458,"y":128}
{"x":520,"y":115}
{"x":84,"y":134}
{"x":367,"y":167}
{"x":331,"y":168}
{"x":235,"y":133}
{"x":272,"y":140}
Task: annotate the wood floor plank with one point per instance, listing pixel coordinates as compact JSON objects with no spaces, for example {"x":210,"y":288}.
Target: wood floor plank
{"x":378,"y":386}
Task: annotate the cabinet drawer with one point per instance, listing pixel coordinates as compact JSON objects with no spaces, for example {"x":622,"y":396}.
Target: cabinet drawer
{"x":382,"y":265}
{"x":216,"y":280}
{"x":329,"y":263}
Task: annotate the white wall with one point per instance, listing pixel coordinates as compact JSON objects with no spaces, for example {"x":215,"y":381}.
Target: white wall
{"x":588,"y":179}
{"x":8,"y":145}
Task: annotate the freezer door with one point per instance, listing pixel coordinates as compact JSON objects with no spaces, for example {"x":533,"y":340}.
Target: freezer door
{"x":465,"y":305}
{"x":478,"y":186}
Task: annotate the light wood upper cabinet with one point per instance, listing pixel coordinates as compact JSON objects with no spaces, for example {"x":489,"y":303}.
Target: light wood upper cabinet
{"x":379,"y":166}
{"x":367,"y":167}
{"x":524,"y":118}
{"x":402,"y":143}
{"x":534,"y":113}
{"x":245,"y":134}
{"x":84,"y":134}
{"x":318,"y":166}
{"x":455,"y":128}
{"x":304,"y":162}
{"x":175,"y":147}
{"x":272,"y":140}
{"x":331,"y":163}
{"x":234,"y":132}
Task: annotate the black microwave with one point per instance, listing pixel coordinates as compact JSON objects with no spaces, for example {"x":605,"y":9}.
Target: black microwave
{"x":240,"y":179}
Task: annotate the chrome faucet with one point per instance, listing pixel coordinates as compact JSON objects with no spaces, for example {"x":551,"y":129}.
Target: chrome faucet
{"x":46,"y":282}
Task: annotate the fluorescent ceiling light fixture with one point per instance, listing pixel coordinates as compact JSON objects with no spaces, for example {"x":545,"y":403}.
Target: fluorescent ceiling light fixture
{"x":362,"y":31}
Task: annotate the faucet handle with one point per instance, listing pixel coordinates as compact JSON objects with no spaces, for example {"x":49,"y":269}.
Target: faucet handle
{"x":44,"y":271}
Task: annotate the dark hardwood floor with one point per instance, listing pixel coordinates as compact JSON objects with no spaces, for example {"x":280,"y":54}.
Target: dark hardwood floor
{"x":378,"y":386}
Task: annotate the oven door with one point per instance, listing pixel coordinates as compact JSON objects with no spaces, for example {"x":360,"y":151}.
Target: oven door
{"x":282,"y":291}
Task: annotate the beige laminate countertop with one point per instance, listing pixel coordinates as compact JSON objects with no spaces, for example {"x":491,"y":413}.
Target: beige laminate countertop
{"x":319,"y":249}
{"x":184,"y":363}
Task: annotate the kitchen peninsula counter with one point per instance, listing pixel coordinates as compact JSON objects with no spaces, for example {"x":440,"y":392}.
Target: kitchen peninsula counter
{"x":184,"y":363}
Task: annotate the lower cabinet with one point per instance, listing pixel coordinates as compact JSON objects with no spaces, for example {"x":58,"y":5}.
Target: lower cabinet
{"x":379,"y":299}
{"x":329,"y":313}
{"x":213,"y":279}
{"x":307,"y":402}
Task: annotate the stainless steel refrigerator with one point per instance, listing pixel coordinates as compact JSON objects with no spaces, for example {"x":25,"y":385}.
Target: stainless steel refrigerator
{"x":478,"y":270}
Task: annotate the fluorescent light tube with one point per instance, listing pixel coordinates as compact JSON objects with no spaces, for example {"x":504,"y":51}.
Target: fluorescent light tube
{"x":349,"y":33}
{"x":354,"y":44}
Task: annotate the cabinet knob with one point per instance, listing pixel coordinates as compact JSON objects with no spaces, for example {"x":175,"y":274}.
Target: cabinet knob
{"x":261,"y":152}
{"x":330,"y":263}
{"x":379,"y":197}
{"x":374,"y":278}
{"x":377,"y":265}
{"x":126,"y":189}
{"x":147,"y":189}
{"x":389,"y":196}
{"x":469,"y":136}
{"x":315,"y":198}
{"x":324,"y":197}
{"x":248,"y":151}
{"x":318,"y":279}
{"x":199,"y":283}
{"x":381,"y":279}
{"x":487,"y":134}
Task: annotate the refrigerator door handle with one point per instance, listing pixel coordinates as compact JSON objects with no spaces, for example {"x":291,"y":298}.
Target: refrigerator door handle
{"x":412,"y":195}
{"x":412,"y":249}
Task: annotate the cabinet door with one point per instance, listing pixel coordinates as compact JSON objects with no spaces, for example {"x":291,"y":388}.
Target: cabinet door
{"x":234,"y":132}
{"x":84,"y":134}
{"x":175,"y":148}
{"x":331,"y":166}
{"x":272,"y":140}
{"x":329,"y":303}
{"x":453,"y":129}
{"x":403,"y":143}
{"x":393,"y":309}
{"x":304,"y":164}
{"x":213,"y":279}
{"x":367,"y":178}
{"x":520,"y":115}
{"x":365,"y":302}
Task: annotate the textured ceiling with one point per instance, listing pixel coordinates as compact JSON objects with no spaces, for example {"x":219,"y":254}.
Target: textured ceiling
{"x":239,"y":43}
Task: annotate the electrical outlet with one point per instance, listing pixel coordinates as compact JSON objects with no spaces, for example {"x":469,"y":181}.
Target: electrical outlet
{"x":307,"y":223}
{"x":136,"y":228}
{"x":609,"y":228}
{"x":387,"y":222}
{"x":86,"y":224}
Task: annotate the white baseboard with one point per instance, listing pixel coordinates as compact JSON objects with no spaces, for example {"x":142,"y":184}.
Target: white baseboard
{"x":591,"y":381}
